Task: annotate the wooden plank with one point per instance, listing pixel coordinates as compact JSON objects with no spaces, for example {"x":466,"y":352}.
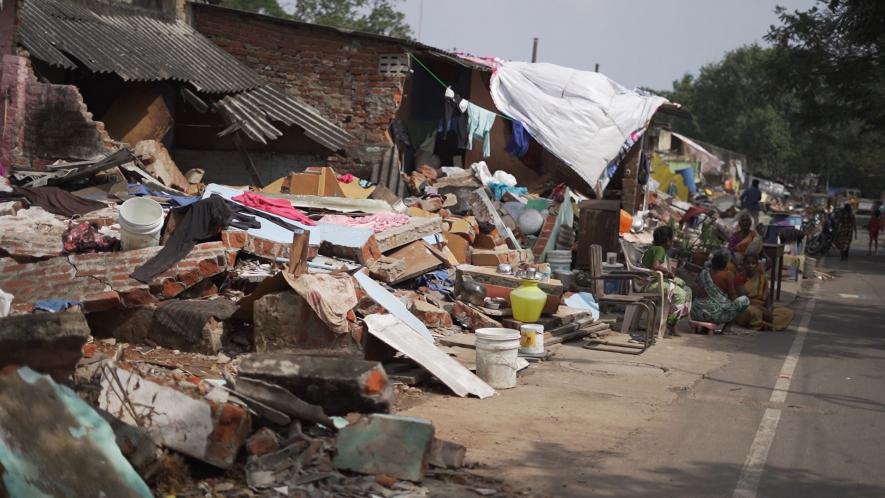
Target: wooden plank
{"x":598,"y":223}
{"x":419,"y":260}
{"x":396,"y":334}
{"x":417,"y":229}
{"x":464,"y":340}
{"x":487,"y":275}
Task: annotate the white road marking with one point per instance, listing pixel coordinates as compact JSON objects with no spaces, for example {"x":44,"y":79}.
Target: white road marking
{"x":849,"y":296}
{"x":751,"y":473}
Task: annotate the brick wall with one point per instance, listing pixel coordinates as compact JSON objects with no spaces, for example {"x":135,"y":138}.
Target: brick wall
{"x":45,"y":122}
{"x":335,"y":73}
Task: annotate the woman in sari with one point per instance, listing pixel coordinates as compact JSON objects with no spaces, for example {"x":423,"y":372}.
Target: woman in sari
{"x":677,"y":292}
{"x":760,"y":315}
{"x":742,"y":240}
{"x":721,"y":302}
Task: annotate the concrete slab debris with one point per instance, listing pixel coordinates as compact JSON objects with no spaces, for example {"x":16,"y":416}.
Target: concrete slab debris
{"x":49,"y":343}
{"x":358,"y":386}
{"x":394,"y":445}
{"x":46,"y":426}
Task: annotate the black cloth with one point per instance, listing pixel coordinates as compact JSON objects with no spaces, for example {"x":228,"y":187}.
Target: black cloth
{"x":202,"y":220}
{"x":54,"y":200}
{"x":455,"y":121}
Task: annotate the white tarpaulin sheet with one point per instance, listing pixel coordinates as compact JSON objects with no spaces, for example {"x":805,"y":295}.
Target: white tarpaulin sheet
{"x":584,"y":118}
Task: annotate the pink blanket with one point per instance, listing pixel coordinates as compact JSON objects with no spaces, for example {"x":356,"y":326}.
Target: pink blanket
{"x":375,"y":222}
{"x":279,"y":207}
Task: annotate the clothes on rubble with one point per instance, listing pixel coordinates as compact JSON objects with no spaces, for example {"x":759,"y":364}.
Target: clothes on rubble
{"x":759,"y":315}
{"x":54,"y":200}
{"x":87,"y":237}
{"x":138,"y":190}
{"x":348,"y":178}
{"x":438,"y":280}
{"x":201,"y":221}
{"x":54,"y":305}
{"x":479,"y":124}
{"x":375,"y":222}
{"x":692,"y":213}
{"x":330,"y":295}
{"x":188,"y":318}
{"x":499,"y":189}
{"x":717,"y":306}
{"x":518,"y":144}
{"x":280,"y":207}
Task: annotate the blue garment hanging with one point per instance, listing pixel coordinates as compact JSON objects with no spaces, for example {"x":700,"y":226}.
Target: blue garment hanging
{"x":518,"y":145}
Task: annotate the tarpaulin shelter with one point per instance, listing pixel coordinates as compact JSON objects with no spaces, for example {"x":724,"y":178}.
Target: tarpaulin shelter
{"x":584,"y":118}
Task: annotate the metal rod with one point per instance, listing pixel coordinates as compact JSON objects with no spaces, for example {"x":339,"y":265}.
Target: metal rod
{"x":535,"y":49}
{"x":596,"y":69}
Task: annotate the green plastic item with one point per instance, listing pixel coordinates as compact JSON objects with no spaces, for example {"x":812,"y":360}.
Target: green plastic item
{"x":538,"y":204}
{"x":528,"y":301}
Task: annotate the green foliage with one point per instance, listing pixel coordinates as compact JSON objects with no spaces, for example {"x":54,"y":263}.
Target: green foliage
{"x":371,"y":16}
{"x":812,"y":102}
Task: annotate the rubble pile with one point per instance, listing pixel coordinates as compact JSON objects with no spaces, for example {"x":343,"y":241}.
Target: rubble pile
{"x":251,"y":331}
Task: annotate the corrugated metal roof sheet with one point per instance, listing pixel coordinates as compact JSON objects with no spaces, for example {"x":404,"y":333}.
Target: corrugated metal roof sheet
{"x":253,"y":110}
{"x":131,"y":43}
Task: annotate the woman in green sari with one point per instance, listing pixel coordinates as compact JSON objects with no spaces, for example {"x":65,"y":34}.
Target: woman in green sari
{"x":678,"y":293}
{"x":721,"y":304}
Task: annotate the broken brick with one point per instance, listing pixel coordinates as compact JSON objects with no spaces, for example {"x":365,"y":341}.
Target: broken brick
{"x":471,"y":318}
{"x":431,"y":315}
{"x":262,"y":442}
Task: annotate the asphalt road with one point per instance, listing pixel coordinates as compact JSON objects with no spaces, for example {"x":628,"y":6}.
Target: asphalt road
{"x":799,"y":413}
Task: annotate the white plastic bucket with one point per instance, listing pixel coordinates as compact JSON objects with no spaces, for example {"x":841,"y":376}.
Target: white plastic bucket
{"x":140,"y":222}
{"x":531,"y":339}
{"x":496,"y":356}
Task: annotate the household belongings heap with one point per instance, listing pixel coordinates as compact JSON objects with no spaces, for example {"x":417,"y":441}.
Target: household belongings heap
{"x":207,"y":321}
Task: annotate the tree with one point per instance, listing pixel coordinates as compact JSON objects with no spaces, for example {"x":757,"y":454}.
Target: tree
{"x":371,"y":16}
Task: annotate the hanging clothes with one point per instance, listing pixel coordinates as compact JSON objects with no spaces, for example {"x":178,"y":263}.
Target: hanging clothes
{"x":279,"y":207}
{"x":422,"y":135}
{"x":455,"y":121}
{"x":479,"y":124}
{"x":518,"y":145}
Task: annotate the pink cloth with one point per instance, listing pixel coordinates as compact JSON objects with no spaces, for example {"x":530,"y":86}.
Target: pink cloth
{"x":279,"y":207}
{"x":375,"y":222}
{"x":346,"y":178}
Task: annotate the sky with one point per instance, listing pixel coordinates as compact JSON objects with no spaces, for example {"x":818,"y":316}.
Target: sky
{"x":646,"y":43}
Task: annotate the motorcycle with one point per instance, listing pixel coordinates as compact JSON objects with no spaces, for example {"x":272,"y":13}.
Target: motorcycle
{"x":821,"y":229}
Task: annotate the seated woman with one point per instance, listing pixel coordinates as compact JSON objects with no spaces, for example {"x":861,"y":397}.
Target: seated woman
{"x":677,"y":292}
{"x":744,"y":239}
{"x":721,"y":302}
{"x":760,"y":315}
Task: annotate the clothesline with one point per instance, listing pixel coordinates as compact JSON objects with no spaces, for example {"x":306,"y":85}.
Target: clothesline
{"x":442,"y":83}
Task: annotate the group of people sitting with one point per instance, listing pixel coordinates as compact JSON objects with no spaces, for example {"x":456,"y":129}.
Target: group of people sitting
{"x":732,"y":289}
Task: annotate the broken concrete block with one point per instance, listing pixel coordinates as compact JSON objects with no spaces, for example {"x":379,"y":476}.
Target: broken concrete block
{"x":285,"y":321}
{"x":387,"y":269}
{"x":417,"y":229}
{"x":54,"y":444}
{"x":134,"y":442}
{"x":47,"y":342}
{"x":338,"y":385}
{"x":446,"y":454}
{"x":470,"y":317}
{"x":209,"y":431}
{"x":495,"y":257}
{"x":432,"y":316}
{"x":262,"y":442}
{"x":385,"y":444}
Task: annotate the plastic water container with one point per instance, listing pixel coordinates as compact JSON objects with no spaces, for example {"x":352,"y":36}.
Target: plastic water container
{"x":497,"y":351}
{"x":531,"y":339}
{"x":140,"y":222}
